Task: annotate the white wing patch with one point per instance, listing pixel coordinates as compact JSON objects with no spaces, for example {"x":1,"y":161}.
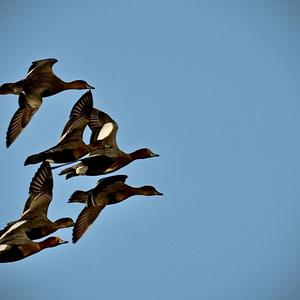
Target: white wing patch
{"x":30,"y":72}
{"x":25,"y":212}
{"x":3,"y":247}
{"x":50,"y":160}
{"x":109,"y":170}
{"x":18,"y":224}
{"x":105,"y":131}
{"x":81,"y":170}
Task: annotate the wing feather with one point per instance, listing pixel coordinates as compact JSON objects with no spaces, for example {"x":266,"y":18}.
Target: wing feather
{"x":85,"y":220}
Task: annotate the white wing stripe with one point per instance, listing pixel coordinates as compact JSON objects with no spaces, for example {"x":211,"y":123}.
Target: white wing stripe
{"x":18,"y":224}
{"x":3,"y":247}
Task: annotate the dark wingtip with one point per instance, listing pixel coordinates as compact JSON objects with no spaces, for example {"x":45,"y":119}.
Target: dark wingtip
{"x":42,"y":181}
{"x":8,"y":143}
{"x":10,"y":137}
{"x":74,"y":238}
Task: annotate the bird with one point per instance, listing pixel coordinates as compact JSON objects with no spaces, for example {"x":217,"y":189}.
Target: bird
{"x":109,"y":190}
{"x":18,"y":246}
{"x":71,"y":145}
{"x":39,"y":82}
{"x":34,"y":221}
{"x":105,"y":155}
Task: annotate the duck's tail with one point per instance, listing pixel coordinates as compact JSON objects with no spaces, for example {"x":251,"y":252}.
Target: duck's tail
{"x":35,"y":159}
{"x":69,"y":172}
{"x":6,"y":88}
{"x":70,"y":175}
{"x":78,"y":197}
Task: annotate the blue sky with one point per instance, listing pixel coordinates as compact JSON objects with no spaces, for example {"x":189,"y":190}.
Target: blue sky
{"x":213,"y":87}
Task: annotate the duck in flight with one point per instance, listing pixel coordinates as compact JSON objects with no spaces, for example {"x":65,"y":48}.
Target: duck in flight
{"x":105,"y":155}
{"x":71,"y":145}
{"x":40,"y":82}
{"x":18,"y":246}
{"x":109,"y":190}
{"x":16,"y":239}
{"x":34,"y":221}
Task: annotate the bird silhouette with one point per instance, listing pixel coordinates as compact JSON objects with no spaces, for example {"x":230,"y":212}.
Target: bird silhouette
{"x":109,"y":190}
{"x":40,"y":82}
{"x":71,"y":145}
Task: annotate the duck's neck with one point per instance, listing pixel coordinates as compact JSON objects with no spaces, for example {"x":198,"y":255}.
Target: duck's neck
{"x":137,"y":191}
{"x":73,"y":85}
{"x":70,"y":84}
{"x":63,"y":223}
{"x":138,"y":154}
{"x":126,"y":193}
{"x":47,"y":243}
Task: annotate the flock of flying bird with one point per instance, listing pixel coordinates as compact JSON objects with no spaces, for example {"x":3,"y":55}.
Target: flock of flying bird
{"x":101,"y":156}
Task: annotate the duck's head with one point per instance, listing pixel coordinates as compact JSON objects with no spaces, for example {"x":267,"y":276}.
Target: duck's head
{"x":143,"y":153}
{"x":149,"y":190}
{"x":51,"y":241}
{"x":81,"y":85}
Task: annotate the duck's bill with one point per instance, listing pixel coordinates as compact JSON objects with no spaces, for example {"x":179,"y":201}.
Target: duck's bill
{"x":154,"y":154}
{"x":63,"y":242}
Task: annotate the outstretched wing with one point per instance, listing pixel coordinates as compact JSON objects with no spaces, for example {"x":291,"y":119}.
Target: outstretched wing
{"x":41,"y":66}
{"x":75,"y":129}
{"x":105,"y":182}
{"x":40,"y":193}
{"x":85,"y":220}
{"x":82,"y":108}
{"x":21,"y":118}
{"x":104,"y":129}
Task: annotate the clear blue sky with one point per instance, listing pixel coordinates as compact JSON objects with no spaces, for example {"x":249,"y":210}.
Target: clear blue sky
{"x":213,"y":87}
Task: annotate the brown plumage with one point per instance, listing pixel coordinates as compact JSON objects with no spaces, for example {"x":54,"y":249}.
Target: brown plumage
{"x":18,"y":246}
{"x":109,"y":190}
{"x":105,"y":156}
{"x":71,"y":145}
{"x":34,"y":221}
{"x":40,"y":82}
{"x":16,"y":239}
